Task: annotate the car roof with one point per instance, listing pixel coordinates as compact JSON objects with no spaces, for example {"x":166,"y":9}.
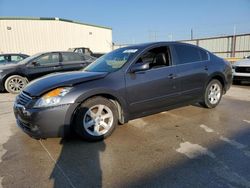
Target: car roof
{"x":58,"y":52}
{"x":146,"y":45}
{"x":14,"y":54}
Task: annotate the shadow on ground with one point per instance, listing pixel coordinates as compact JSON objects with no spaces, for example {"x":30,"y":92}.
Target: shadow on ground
{"x":80,"y":163}
{"x":229,"y":167}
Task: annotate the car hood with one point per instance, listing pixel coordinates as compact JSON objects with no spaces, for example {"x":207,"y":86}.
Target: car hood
{"x":243,"y":63}
{"x":8,"y":66}
{"x":42,"y":85}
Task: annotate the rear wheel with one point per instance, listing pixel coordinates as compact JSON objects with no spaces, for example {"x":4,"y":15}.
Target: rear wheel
{"x":96,"y":119}
{"x":15,"y":84}
{"x":213,"y":94}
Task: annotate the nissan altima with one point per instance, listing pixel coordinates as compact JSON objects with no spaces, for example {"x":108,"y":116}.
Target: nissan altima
{"x":125,"y":84}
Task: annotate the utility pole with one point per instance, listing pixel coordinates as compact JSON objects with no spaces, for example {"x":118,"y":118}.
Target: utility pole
{"x":234,"y":43}
{"x":192,"y":34}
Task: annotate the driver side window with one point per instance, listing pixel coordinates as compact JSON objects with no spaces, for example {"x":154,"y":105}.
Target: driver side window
{"x":156,"y":57}
{"x":48,"y":59}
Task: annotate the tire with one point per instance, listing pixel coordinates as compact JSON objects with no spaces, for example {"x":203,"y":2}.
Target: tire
{"x":15,"y":84}
{"x":213,"y":94}
{"x":96,"y":119}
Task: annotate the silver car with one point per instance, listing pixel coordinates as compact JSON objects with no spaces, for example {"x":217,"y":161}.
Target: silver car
{"x":241,"y":71}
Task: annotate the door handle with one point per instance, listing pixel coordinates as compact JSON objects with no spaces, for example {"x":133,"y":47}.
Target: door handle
{"x":172,"y":76}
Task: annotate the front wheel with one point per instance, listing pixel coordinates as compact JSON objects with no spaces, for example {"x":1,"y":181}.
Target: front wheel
{"x":15,"y":84}
{"x":213,"y":94}
{"x":96,"y":119}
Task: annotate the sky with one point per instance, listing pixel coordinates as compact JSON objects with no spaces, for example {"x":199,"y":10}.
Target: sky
{"x":143,"y":20}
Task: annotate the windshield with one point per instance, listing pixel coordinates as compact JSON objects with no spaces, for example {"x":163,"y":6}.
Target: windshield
{"x":26,"y":60}
{"x":112,"y":61}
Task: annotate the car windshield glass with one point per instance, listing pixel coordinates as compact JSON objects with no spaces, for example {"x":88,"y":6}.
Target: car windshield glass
{"x":112,"y":61}
{"x":26,"y":60}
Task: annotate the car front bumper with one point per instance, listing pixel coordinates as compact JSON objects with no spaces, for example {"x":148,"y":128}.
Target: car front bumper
{"x":1,"y":83}
{"x":241,"y":76}
{"x":41,"y":123}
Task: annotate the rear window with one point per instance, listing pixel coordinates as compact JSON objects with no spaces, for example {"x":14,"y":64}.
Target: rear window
{"x":204,"y":55}
{"x":16,"y":58}
{"x":188,"y":54}
{"x":2,"y":58}
{"x":68,"y":57}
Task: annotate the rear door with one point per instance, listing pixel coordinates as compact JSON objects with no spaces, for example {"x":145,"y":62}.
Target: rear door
{"x":192,"y":70}
{"x":73,"y":61}
{"x":153,"y":89}
{"x":16,"y":58}
{"x":44,"y":64}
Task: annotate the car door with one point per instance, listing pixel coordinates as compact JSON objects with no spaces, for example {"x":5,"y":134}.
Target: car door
{"x":155,"y":88}
{"x":192,"y":70}
{"x":3,"y":59}
{"x":16,"y":58}
{"x":42,"y":65}
{"x":73,"y":61}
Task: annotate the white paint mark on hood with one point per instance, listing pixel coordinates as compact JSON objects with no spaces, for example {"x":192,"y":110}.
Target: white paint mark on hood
{"x":206,"y":128}
{"x":194,"y":150}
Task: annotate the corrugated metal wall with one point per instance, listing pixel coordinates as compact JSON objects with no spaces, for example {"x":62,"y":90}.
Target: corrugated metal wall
{"x":226,"y":46}
{"x":32,"y":36}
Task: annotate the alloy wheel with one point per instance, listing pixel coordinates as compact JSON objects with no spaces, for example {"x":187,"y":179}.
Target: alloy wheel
{"x":214,"y":93}
{"x":98,"y":120}
{"x":16,"y":84}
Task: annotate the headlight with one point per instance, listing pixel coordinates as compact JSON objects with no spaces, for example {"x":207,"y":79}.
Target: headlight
{"x":52,"y":98}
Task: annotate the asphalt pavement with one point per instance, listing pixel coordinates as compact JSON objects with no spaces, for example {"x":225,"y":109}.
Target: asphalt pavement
{"x":185,"y":147}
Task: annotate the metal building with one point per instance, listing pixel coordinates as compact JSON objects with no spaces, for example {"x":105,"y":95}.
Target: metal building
{"x":33,"y":35}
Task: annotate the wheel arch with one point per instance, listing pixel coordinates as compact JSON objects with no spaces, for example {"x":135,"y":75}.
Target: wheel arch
{"x":13,"y":74}
{"x":118,"y":101}
{"x":220,"y":77}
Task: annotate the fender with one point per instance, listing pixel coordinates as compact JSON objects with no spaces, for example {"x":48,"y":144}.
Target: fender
{"x":106,"y":92}
{"x":11,"y":74}
{"x":219,"y":75}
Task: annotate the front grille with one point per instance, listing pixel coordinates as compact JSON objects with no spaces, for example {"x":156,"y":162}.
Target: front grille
{"x":23,"y":99}
{"x":242,"y":69}
{"x":24,"y":125}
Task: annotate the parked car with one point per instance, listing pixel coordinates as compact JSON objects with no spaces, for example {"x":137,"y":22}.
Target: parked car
{"x":85,"y":51}
{"x":122,"y":85}
{"x":14,"y":77}
{"x":11,"y":58}
{"x":241,"y":71}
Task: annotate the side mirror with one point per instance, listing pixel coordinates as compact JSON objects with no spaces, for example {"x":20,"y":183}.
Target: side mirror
{"x":139,"y":67}
{"x":34,"y":63}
